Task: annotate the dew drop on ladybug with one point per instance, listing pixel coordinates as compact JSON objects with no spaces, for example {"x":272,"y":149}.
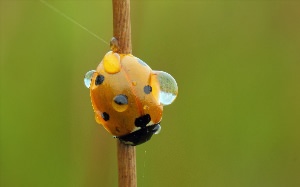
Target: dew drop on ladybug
{"x":128,"y":96}
{"x":88,"y":77}
{"x":166,"y":88}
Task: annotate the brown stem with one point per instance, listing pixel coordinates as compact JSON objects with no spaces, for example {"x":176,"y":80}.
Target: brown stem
{"x":122,"y":32}
{"x":122,"y":26}
{"x":127,"y":165}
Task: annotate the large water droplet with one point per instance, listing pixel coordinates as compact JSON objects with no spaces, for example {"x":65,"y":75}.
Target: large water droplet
{"x":168,"y":88}
{"x":88,"y":78}
{"x":111,"y":62}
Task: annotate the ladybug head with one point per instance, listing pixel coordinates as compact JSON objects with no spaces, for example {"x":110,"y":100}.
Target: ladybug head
{"x":140,"y":136}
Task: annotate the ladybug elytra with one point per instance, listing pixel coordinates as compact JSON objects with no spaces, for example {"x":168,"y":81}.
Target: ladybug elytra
{"x":128,"y":96}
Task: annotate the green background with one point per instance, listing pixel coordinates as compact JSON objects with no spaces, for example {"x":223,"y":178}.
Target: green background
{"x":235,"y":123}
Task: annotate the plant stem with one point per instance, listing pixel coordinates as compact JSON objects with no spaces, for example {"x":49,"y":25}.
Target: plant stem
{"x":122,"y":32}
{"x":121,"y":25}
{"x":127,"y":165}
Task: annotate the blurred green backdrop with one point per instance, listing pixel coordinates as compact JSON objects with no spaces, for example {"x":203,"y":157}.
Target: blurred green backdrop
{"x":235,"y":122}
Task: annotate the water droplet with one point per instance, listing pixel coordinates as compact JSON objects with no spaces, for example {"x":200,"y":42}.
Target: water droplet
{"x":111,"y":62}
{"x":88,"y":78}
{"x":167,"y":87}
{"x":114,"y":44}
{"x":146,"y":107}
{"x":133,"y":83}
{"x":158,"y":129}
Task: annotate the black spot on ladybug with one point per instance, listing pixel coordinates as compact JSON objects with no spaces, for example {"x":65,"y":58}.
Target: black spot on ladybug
{"x":121,"y":99}
{"x":147,"y":89}
{"x":141,"y":62}
{"x":105,"y":116}
{"x":142,"y":121}
{"x":99,"y":80}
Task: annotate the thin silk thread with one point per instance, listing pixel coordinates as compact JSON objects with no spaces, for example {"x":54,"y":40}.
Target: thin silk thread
{"x":72,"y":20}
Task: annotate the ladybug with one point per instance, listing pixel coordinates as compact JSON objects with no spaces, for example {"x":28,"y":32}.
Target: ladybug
{"x":128,"y":97}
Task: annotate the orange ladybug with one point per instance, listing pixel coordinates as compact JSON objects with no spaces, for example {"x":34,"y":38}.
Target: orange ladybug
{"x":128,"y":96}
